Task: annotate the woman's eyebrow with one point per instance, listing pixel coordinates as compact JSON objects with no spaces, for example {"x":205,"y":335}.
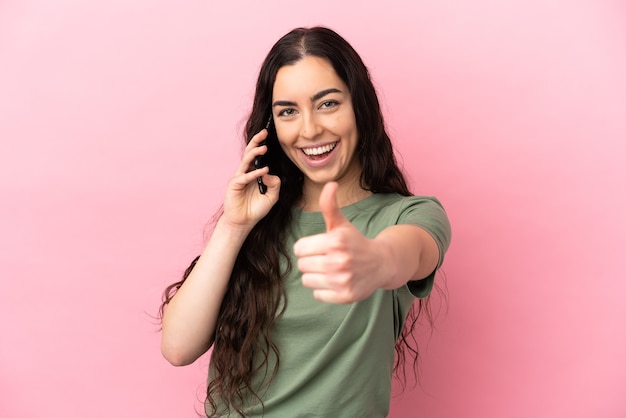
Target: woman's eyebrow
{"x":314,"y":98}
{"x":323,"y":93}
{"x":283,"y":103}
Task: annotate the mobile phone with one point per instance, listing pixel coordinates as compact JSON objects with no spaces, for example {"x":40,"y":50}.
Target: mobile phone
{"x":258,"y":163}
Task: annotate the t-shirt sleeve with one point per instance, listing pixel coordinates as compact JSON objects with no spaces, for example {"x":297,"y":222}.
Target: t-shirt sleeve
{"x":428,"y":214}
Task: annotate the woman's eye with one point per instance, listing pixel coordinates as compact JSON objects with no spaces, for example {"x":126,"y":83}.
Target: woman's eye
{"x":286,"y":112}
{"x":329,"y":104}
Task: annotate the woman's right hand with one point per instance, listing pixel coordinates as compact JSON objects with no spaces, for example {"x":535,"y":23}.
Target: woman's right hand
{"x":244,"y":205}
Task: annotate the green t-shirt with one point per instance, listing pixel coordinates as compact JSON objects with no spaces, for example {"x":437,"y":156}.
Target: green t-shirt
{"x":337,"y":360}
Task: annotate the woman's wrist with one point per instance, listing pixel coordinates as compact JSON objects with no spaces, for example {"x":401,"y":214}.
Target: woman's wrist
{"x":234,"y":230}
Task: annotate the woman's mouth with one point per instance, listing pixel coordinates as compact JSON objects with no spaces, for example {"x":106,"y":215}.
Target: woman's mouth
{"x":319,"y":153}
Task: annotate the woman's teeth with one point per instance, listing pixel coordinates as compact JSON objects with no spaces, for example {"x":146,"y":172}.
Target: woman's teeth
{"x":319,"y":150}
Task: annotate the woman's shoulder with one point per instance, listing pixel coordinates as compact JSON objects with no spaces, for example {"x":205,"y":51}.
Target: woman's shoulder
{"x":392,"y":203}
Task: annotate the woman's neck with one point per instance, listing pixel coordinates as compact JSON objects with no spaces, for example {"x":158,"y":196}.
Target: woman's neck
{"x":347,"y":194}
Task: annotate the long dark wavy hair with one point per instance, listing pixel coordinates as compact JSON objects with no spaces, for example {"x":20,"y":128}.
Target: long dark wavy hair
{"x":256,"y":297}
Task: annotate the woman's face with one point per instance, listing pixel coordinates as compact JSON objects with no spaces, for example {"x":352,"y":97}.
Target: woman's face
{"x":315,"y":123}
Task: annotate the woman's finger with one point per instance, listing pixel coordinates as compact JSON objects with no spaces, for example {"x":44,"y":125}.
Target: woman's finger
{"x":313,"y":264}
{"x":245,"y":178}
{"x":252,"y":150}
{"x":316,"y":281}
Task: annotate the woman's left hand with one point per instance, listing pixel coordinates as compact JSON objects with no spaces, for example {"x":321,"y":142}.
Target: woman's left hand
{"x":341,"y":265}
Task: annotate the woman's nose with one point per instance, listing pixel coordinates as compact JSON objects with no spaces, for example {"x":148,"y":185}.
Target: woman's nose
{"x":311,"y":126}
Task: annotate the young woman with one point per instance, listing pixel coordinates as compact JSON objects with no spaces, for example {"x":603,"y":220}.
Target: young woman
{"x":305,"y":285}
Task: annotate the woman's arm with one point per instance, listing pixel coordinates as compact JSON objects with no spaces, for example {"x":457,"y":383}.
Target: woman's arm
{"x":344,"y":266}
{"x":412,"y":254}
{"x":190,"y":317}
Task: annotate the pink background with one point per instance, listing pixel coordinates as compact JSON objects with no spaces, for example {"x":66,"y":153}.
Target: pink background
{"x":120,"y":125}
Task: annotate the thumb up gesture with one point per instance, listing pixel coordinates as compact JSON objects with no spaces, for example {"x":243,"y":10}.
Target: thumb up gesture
{"x":341,"y":265}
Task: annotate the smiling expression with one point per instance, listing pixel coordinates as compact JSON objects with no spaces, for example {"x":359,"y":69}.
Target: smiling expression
{"x":315,"y":122}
